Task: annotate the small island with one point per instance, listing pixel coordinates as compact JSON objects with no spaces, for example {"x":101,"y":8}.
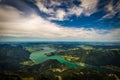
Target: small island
{"x":49,"y":54}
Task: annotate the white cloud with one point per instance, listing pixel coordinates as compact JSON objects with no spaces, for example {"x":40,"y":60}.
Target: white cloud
{"x":12,"y":13}
{"x":59,"y":15}
{"x":89,"y":6}
{"x":55,"y":3}
{"x":86,"y":8}
{"x":76,"y":11}
{"x":111,"y":9}
{"x":33,"y":25}
{"x":43,"y":8}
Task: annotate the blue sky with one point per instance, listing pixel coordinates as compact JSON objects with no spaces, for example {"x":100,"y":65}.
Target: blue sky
{"x":60,"y":20}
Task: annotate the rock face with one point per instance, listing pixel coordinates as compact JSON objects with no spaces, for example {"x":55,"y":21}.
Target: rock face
{"x":12,"y":56}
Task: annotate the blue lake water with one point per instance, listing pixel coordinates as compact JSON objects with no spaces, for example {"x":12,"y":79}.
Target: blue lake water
{"x":40,"y":57}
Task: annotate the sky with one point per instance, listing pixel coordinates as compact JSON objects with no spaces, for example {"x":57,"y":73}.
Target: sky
{"x":60,"y":20}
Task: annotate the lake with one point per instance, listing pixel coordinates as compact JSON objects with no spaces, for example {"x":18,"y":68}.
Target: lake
{"x":40,"y":57}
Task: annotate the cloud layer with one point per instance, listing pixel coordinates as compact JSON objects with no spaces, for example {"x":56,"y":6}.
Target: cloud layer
{"x":15,"y":23}
{"x":84,"y":7}
{"x":112,"y":9}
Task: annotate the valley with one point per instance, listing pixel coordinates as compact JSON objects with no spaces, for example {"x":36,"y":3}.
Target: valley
{"x":81,"y":61}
